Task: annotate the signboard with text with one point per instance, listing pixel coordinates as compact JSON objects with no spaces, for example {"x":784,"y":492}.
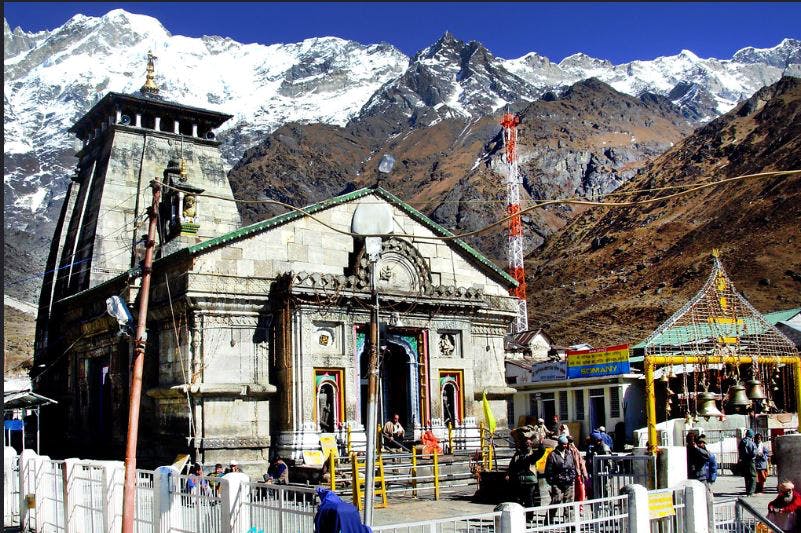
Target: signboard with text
{"x":607,"y":361}
{"x":548,"y":371}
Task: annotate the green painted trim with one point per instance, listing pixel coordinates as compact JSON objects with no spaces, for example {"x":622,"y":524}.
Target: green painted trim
{"x":258,"y":227}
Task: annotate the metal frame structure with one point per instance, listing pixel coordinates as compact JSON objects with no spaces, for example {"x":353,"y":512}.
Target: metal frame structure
{"x":515,"y":250}
{"x":717,"y":326}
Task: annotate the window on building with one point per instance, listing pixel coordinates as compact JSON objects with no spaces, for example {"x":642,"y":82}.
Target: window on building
{"x":533,"y":407}
{"x":452,"y":396}
{"x":563,"y":413}
{"x":614,"y":400}
{"x":579,"y":402}
{"x":329,"y":400}
{"x":548,"y":406}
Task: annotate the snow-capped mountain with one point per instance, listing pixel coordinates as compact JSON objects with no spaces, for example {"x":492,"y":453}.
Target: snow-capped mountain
{"x":703,"y":88}
{"x":52,"y":77}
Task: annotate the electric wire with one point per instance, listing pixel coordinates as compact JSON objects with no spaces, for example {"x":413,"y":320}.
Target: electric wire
{"x":687,"y":189}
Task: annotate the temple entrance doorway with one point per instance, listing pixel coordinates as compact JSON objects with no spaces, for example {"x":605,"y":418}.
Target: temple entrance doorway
{"x":395,"y":390}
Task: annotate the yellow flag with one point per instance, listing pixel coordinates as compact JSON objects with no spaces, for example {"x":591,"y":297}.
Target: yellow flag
{"x":488,"y":416}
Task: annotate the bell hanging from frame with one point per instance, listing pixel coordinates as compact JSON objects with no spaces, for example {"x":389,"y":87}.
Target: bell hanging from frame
{"x":737,"y":396}
{"x":755,"y":391}
{"x":707,"y":405}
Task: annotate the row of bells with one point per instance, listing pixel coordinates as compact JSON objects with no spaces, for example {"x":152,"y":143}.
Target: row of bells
{"x":739,"y":396}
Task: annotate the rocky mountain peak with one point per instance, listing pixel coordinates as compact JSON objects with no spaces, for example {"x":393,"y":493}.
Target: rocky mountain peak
{"x":784,"y":54}
{"x":583,"y":61}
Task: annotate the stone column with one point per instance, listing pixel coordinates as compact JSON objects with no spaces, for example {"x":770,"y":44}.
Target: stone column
{"x":194,"y":130}
{"x":138,"y":120}
{"x":176,"y":127}
{"x":157,"y":125}
{"x":696,"y":510}
{"x":235,"y":489}
{"x":512,"y":519}
{"x":787,"y":456}
{"x":639,"y":521}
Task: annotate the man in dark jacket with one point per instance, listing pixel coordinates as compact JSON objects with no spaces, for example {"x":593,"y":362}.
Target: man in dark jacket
{"x":698,"y":458}
{"x":747,"y":453}
{"x":560,"y":473}
{"x":523,"y":472}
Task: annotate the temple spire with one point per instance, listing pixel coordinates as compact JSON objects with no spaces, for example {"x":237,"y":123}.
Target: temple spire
{"x":150,"y":86}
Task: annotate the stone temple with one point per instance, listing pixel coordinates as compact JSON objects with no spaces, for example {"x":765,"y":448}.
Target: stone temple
{"x":256,"y":334}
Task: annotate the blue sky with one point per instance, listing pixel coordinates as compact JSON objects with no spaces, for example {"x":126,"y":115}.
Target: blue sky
{"x":620,"y":31}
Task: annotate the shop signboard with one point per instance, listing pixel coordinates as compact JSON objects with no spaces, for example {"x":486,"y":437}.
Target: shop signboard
{"x":608,"y":361}
{"x":548,"y":371}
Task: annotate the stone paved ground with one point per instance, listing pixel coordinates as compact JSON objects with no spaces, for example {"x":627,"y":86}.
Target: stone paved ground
{"x":404,"y":509}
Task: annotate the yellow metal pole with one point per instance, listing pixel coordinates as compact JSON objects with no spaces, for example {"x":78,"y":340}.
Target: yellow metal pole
{"x":378,"y":440}
{"x":414,"y":471}
{"x":436,"y":475}
{"x":797,"y":368}
{"x":332,"y":471}
{"x":450,"y":437}
{"x":650,"y":406}
{"x":350,"y":441}
{"x":354,"y":468}
{"x":650,"y":363}
{"x":481,"y":443}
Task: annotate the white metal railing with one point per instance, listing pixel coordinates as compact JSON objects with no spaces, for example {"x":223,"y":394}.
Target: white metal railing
{"x":88,"y":481}
{"x":724,"y":516}
{"x":144,"y":497}
{"x":675,"y":522}
{"x":48,"y":513}
{"x":736,"y":515}
{"x":11,"y":495}
{"x":610,"y":473}
{"x":477,"y":523}
{"x":194,"y":509}
{"x":279,"y":508}
{"x":602,"y":514}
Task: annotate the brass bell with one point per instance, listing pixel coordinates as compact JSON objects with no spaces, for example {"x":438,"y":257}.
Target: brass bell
{"x":708,"y":407}
{"x":664,"y":378}
{"x":755,"y":391}
{"x":737,"y":396}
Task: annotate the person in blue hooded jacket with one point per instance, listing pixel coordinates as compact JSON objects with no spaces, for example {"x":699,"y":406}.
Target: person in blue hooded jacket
{"x":747,"y":453}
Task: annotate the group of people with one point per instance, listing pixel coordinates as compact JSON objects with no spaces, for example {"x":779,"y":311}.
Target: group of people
{"x":752,"y":462}
{"x":565,"y":470}
{"x":199,"y":483}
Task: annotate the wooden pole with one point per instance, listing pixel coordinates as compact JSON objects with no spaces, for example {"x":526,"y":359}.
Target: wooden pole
{"x":129,"y":488}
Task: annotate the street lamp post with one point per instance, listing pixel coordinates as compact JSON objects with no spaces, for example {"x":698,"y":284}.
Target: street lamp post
{"x":372,"y":221}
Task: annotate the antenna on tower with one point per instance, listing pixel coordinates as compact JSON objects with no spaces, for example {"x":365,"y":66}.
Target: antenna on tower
{"x":509,"y":123}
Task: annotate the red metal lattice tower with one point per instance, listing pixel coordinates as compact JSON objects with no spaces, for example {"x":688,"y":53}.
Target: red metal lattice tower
{"x":509,"y":123}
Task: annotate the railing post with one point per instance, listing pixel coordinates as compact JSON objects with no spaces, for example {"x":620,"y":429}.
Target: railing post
{"x":350,"y":441}
{"x":113,"y":477}
{"x":436,"y":475}
{"x":73,"y":497}
{"x":696,"y":516}
{"x":10,"y":458}
{"x":450,"y":438}
{"x":414,"y":471}
{"x":162,"y":498}
{"x":512,"y":519}
{"x":27,"y":471}
{"x":235,"y":489}
{"x":638,"y":520}
{"x":332,"y":471}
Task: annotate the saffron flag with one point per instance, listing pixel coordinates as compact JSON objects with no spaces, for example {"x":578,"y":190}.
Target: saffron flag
{"x":488,"y":416}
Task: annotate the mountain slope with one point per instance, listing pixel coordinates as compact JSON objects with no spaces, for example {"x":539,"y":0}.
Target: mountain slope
{"x":586,"y":142}
{"x":613,"y":274}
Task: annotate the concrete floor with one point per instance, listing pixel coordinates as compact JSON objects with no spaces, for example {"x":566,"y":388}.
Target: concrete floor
{"x":404,"y":508}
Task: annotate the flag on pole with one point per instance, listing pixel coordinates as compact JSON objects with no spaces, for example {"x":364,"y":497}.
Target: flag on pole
{"x":488,"y":416}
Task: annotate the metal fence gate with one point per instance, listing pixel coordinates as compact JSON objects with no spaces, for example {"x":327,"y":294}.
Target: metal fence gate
{"x":610,"y":473}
